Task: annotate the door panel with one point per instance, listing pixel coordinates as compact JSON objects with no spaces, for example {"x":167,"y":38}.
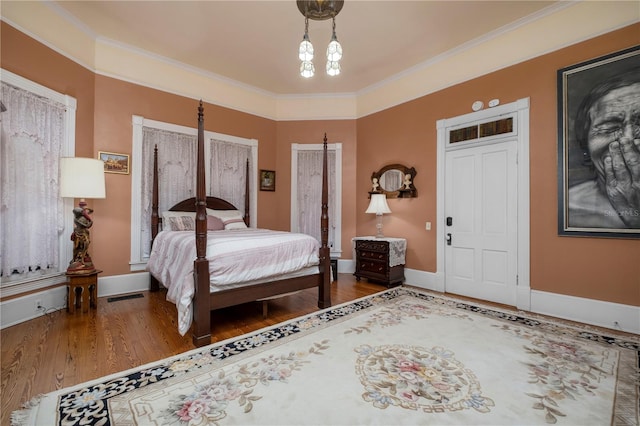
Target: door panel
{"x":481,"y":198}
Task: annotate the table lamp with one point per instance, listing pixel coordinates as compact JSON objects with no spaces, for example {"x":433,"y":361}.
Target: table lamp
{"x":81,"y":178}
{"x":379,"y":206}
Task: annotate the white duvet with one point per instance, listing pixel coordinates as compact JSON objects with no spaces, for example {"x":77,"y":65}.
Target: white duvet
{"x":235,"y":256}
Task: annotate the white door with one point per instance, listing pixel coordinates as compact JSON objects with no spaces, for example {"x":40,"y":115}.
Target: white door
{"x":481,"y":229}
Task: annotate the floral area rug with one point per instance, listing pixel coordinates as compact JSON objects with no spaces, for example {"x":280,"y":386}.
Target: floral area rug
{"x":398,"y":357}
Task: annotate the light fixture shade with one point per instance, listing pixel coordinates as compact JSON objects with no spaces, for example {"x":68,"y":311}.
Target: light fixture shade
{"x":333,"y":68}
{"x":307,"y":69}
{"x":334,"y":50}
{"x":82,"y":178}
{"x":305,"y":51}
{"x":378,"y":204}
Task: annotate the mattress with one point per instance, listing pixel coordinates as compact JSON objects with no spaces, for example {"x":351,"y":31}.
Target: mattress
{"x":236,"y":257}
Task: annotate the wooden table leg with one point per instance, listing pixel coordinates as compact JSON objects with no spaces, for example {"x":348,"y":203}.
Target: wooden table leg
{"x":71,"y":299}
{"x":85,"y":298}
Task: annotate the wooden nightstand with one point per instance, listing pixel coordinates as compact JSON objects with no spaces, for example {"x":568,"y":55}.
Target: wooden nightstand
{"x":380,"y":259}
{"x":88,"y":283}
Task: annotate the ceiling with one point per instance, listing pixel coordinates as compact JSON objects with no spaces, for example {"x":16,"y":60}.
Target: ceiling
{"x":255,"y":43}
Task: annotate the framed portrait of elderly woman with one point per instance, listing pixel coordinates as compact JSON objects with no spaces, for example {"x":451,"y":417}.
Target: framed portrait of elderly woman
{"x":599,"y":147}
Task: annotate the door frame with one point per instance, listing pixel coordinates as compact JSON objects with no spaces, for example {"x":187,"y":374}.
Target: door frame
{"x":521,"y":109}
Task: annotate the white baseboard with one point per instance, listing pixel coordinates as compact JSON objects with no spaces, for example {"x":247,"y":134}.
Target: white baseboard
{"x":20,"y":309}
{"x":123,"y":284}
{"x":615,"y":316}
{"x":589,"y":311}
{"x":594,"y":312}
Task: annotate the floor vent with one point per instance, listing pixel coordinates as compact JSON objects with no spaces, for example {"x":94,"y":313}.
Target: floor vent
{"x":125,"y":297}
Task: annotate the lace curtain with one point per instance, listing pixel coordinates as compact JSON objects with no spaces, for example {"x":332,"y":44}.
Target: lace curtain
{"x":310,"y":192}
{"x":31,"y":208}
{"x":228,"y":166}
{"x":176,"y":174}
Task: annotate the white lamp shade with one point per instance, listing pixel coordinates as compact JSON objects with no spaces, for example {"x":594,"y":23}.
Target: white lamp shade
{"x":82,"y":178}
{"x":334,"y":50}
{"x":305,"y":51}
{"x":307,"y":69}
{"x":333,"y":68}
{"x":378,"y":204}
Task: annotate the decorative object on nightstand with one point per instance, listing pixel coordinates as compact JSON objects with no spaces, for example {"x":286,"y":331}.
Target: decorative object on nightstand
{"x":378,"y":206}
{"x":87,"y":285}
{"x":380,"y":259}
{"x":81,"y":178}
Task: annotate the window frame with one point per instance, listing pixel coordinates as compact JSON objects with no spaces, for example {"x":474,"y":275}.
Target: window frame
{"x":137,"y":261}
{"x":336,"y":249}
{"x":65,"y":248}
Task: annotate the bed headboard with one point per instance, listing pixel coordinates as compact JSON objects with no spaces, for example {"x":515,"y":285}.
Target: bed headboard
{"x":189,"y":205}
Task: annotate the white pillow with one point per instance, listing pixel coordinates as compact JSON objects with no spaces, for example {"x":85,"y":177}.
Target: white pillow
{"x":232,"y":219}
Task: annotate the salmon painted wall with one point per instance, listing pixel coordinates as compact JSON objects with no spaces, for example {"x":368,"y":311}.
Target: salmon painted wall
{"x":312,"y":132}
{"x":27,"y":58}
{"x":595,"y":268}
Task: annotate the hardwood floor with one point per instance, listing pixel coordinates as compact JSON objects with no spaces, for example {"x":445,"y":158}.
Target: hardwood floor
{"x":59,"y":349}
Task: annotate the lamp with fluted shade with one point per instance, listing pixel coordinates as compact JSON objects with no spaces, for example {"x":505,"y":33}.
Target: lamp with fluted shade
{"x":81,"y":178}
{"x":378,"y":206}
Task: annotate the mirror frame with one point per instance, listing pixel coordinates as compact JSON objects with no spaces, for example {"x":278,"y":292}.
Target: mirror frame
{"x":403,"y":192}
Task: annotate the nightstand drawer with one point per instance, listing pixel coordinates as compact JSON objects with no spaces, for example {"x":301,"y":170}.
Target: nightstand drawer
{"x":374,"y":267}
{"x":372,"y":255}
{"x":377,"y":246}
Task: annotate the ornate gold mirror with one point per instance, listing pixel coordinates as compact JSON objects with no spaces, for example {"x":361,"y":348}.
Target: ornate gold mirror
{"x":394,"y":180}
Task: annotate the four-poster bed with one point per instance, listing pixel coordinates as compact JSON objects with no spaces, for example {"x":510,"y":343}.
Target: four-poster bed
{"x":204,"y":296}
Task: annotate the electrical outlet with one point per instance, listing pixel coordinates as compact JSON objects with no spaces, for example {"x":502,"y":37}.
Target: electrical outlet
{"x":428,"y":226}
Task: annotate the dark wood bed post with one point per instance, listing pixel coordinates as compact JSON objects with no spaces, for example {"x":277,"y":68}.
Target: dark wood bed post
{"x":154,"y":285}
{"x":201,"y":310}
{"x":324,"y":289}
{"x":247,"y":214}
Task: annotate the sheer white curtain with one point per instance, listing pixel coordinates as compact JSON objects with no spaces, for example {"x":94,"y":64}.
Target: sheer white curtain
{"x":33,"y":132}
{"x":228,"y":165}
{"x":176,"y":174}
{"x":309,"y":193}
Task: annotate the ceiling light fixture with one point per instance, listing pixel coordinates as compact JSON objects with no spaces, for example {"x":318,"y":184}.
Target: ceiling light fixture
{"x":319,"y":10}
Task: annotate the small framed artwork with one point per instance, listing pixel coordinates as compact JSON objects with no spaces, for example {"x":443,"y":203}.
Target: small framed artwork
{"x":267,"y":180}
{"x":114,"y":162}
{"x":599,"y":147}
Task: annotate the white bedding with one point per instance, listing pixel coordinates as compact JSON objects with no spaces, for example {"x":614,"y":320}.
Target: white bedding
{"x":235,"y":256}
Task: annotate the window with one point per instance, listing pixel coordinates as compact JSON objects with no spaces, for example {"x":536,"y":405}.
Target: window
{"x":502,"y":126}
{"x":225,"y":161}
{"x":38,"y":127}
{"x":306,"y":191}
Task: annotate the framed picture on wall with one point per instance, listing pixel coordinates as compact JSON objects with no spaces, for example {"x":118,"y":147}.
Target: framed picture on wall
{"x":114,"y":163}
{"x":599,"y":147}
{"x":267,"y":180}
